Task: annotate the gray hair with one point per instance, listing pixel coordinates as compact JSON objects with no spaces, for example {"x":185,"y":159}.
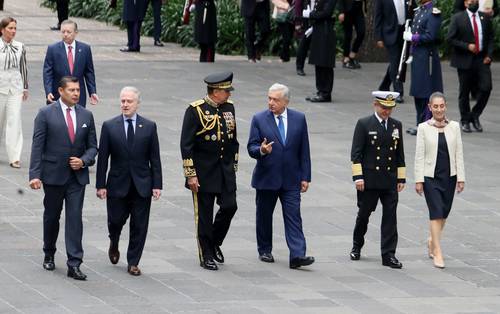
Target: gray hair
{"x":134,"y":90}
{"x":437,"y":95}
{"x":70,"y":22}
{"x":281,"y":87}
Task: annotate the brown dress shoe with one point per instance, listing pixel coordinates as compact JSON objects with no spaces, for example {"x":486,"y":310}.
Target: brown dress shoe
{"x":134,"y":270}
{"x":113,"y":253}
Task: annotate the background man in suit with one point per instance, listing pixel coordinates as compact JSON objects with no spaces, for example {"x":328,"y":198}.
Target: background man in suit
{"x":301,"y":25}
{"x":64,"y":147}
{"x":131,"y":141}
{"x":323,"y":47}
{"x":280,"y":143}
{"x":69,"y":57}
{"x":256,"y":12}
{"x":62,"y":7}
{"x":133,"y":15}
{"x":156,"y":7}
{"x":390,"y":18}
{"x":352,"y":14}
{"x":488,"y":7}
{"x":209,"y":149}
{"x":378,"y":170}
{"x":471,"y":36}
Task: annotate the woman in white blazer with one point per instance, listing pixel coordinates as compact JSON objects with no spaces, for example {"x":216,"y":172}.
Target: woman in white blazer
{"x":13,"y":89}
{"x":439,"y":169}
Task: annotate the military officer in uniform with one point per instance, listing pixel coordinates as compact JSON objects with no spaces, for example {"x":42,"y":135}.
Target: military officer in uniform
{"x":209,"y":149}
{"x":426,"y":76}
{"x":378,"y":170}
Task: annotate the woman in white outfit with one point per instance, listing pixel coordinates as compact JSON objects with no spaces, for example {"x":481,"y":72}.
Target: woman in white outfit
{"x":13,"y":89}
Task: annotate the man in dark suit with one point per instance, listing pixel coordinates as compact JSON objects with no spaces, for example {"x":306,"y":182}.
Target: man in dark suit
{"x":323,"y":47}
{"x":379,"y":173}
{"x":133,"y":15}
{"x":69,"y":57}
{"x":209,"y":149}
{"x":471,"y":35}
{"x":256,"y":12}
{"x":280,"y":143}
{"x":64,"y":147}
{"x":390,"y":18}
{"x":62,"y":7}
{"x":301,"y":25}
{"x":131,"y":141}
{"x":156,"y":7}
{"x":490,"y":10}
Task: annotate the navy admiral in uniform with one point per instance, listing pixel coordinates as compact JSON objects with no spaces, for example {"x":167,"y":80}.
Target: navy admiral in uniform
{"x":378,"y":170}
{"x":426,"y":76}
{"x":209,"y":151}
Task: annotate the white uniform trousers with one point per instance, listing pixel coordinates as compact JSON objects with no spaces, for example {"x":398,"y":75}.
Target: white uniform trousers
{"x":10,"y":124}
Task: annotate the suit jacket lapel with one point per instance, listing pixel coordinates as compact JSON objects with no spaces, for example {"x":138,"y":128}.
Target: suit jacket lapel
{"x":272,"y":124}
{"x":121,"y":130}
{"x":64,"y":56}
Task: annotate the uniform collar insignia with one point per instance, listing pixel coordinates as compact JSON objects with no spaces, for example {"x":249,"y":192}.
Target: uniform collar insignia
{"x":211,"y":102}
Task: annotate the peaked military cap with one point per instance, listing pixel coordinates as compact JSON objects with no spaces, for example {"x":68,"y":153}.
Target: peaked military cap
{"x":385,"y":98}
{"x":221,"y":80}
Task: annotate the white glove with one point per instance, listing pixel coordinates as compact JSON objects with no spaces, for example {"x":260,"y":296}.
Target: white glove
{"x":192,"y":7}
{"x":306,"y":12}
{"x":407,"y":36}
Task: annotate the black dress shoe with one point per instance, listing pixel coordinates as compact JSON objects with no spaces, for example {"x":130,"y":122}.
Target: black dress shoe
{"x":411,"y":131}
{"x":355,"y":253}
{"x":300,"y":72}
{"x":55,"y":28}
{"x":400,"y":100}
{"x":356,"y":63}
{"x":113,"y":253}
{"x":75,"y":273}
{"x":301,"y":261}
{"x":477,"y":125}
{"x":158,"y":43}
{"x":48,"y":263}
{"x":218,"y":256}
{"x":209,"y":264}
{"x":319,"y":98}
{"x":466,"y":127}
{"x":127,"y":49}
{"x":266,"y":258}
{"x":133,"y":270}
{"x":392,"y":262}
{"x":348,"y":64}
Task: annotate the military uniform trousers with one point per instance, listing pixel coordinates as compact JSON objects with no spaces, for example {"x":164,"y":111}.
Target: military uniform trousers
{"x":72,"y":194}
{"x":211,"y":232}
{"x":137,"y":208}
{"x":290,"y":202}
{"x":367,"y":203}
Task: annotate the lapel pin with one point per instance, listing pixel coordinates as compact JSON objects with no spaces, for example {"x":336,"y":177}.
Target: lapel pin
{"x":84,"y":125}
{"x":140,"y":125}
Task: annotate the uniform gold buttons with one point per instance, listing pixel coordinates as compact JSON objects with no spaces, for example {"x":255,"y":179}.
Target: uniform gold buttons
{"x":390,"y":148}
{"x":378,"y":157}
{"x":378,"y":147}
{"x":377,"y":168}
{"x":390,"y":158}
{"x":388,"y":168}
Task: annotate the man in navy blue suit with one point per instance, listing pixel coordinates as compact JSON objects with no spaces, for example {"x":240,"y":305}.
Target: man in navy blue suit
{"x":69,"y":57}
{"x":64,"y":147}
{"x":131,"y":142}
{"x":280,"y":143}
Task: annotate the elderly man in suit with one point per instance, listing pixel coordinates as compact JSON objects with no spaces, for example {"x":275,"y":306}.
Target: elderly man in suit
{"x":472,"y":37}
{"x":131,"y":141}
{"x":64,"y":147}
{"x":256,"y":12}
{"x":69,"y":58}
{"x":280,"y":143}
{"x":390,"y":18}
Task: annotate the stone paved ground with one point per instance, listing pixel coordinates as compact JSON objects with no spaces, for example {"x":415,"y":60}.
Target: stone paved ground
{"x":172,"y":281}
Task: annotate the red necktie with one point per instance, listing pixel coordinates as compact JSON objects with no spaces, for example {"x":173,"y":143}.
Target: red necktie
{"x":70,"y":59}
{"x":71,"y":127}
{"x":476,"y":33}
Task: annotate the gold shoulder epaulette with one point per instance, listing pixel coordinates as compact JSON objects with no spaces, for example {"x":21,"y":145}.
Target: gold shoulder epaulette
{"x":436,"y":11}
{"x":198,"y":102}
{"x":230,"y":102}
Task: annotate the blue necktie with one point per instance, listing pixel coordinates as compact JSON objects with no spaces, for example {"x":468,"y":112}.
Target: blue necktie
{"x":130,"y":133}
{"x":281,"y":127}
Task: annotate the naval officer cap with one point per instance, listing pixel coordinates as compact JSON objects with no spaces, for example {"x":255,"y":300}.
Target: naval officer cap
{"x":221,"y":80}
{"x":386,"y":98}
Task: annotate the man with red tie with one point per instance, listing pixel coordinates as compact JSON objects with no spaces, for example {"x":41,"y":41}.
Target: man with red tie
{"x":64,"y":147}
{"x":79,"y":64}
{"x":471,"y":35}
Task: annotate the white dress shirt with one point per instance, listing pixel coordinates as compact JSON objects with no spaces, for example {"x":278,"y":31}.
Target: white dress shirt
{"x":72,"y":113}
{"x":284,"y":118}
{"x":125,"y":123}
{"x":400,"y":11}
{"x":479,"y":27}
{"x":73,"y":49}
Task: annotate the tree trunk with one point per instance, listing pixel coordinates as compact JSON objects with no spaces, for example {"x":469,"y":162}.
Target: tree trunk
{"x":369,"y":51}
